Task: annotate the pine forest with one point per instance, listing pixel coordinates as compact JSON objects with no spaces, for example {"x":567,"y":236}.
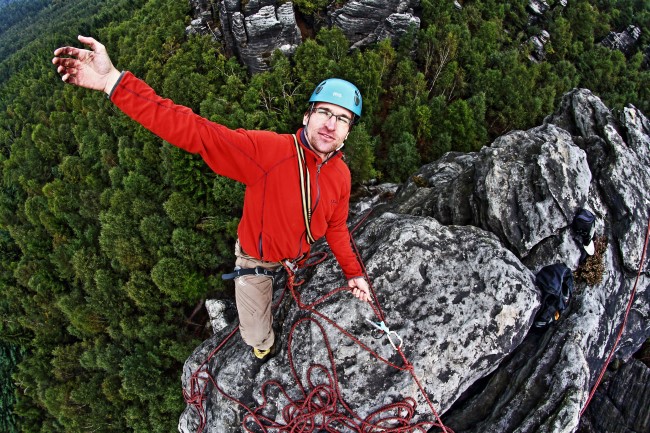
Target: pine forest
{"x":111,"y":240}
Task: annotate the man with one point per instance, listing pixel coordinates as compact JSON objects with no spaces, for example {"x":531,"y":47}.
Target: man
{"x":282,"y":172}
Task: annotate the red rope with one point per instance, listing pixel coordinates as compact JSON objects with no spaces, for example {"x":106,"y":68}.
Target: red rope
{"x":318,"y":409}
{"x":622,"y":328}
{"x":199,"y":381}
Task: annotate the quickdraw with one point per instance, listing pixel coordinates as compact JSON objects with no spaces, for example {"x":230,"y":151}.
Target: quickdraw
{"x":381,"y":326}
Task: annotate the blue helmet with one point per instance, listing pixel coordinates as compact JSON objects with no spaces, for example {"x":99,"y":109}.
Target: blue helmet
{"x":338,"y":92}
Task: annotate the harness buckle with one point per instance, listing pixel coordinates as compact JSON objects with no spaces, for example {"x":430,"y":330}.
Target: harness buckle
{"x":291,"y":265}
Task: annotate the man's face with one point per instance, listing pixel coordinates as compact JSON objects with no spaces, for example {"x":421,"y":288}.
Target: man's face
{"x":327,"y":133}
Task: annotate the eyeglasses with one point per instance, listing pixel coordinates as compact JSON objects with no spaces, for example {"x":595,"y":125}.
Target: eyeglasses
{"x":326,"y":115}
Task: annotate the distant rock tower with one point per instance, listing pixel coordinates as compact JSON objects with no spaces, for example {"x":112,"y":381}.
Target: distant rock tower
{"x":624,"y":41}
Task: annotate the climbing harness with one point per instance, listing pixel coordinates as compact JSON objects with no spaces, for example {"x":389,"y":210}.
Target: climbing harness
{"x":257,"y":270}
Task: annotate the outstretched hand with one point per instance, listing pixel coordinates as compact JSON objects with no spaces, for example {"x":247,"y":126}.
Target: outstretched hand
{"x":91,"y":69}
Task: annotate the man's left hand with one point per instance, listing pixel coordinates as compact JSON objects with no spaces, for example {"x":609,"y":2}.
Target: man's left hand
{"x":360,"y":288}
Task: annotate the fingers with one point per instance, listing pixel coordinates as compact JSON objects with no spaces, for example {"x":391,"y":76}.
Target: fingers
{"x":91,"y":42}
{"x":361,"y":294}
{"x":66,"y":73}
{"x":76,"y":52}
{"x":65,"y":62}
{"x":67,"y":65}
{"x":67,"y":68}
{"x":359,"y":288}
{"x":67,"y":51}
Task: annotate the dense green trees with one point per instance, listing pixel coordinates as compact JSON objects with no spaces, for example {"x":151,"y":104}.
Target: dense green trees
{"x":109,"y":237}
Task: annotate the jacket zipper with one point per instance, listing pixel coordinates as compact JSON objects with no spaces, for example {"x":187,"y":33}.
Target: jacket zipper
{"x":318,"y":167}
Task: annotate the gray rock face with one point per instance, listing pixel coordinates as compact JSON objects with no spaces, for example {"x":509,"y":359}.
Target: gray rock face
{"x":454,"y":295}
{"x":253,"y":30}
{"x":547,"y":179}
{"x":452,"y":259}
{"x":544,"y":384}
{"x":258,"y":30}
{"x":624,"y":41}
{"x":621,"y":405}
{"x":367,"y":21}
{"x":203,"y":19}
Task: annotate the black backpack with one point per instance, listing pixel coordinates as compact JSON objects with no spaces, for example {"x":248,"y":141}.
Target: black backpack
{"x":556,"y":284}
{"x":583,"y":225}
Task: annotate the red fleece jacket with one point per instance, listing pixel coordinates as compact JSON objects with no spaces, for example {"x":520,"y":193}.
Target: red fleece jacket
{"x":272,"y":227}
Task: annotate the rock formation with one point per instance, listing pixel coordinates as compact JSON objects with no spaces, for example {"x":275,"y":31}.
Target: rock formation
{"x":452,"y":258}
{"x":624,"y":41}
{"x":253,"y":30}
{"x":367,"y":21}
{"x":544,"y":383}
{"x":621,"y":405}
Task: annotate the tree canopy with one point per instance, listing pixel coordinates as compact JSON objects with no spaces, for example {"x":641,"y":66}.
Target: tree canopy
{"x":110,"y":238}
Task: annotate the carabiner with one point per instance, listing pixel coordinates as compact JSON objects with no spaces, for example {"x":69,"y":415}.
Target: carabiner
{"x":381,"y":326}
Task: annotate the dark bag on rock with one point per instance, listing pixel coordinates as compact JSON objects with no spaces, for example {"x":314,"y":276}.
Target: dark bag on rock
{"x":556,"y":284}
{"x":584,"y":225}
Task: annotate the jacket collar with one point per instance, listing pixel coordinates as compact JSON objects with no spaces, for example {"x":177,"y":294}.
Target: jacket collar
{"x":302,"y":139}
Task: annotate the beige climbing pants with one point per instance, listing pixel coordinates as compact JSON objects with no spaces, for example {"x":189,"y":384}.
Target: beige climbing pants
{"x":254,"y":294}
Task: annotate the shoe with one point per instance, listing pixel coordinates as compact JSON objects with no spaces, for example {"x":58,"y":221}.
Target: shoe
{"x":261,"y":354}
{"x":266,"y":354}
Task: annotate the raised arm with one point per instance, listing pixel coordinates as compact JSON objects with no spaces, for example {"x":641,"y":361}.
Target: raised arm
{"x":231,"y":153}
{"x":91,"y":69}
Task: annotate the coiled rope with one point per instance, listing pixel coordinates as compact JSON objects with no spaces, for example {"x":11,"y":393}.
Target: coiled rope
{"x":321,"y":407}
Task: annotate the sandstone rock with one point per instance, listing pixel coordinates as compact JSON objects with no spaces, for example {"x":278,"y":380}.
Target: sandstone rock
{"x":544,"y":384}
{"x":624,"y":41}
{"x":457,"y":298}
{"x":547,"y":179}
{"x":367,"y":21}
{"x":252,"y":30}
{"x":621,"y":403}
{"x":452,"y":258}
{"x":202,"y":12}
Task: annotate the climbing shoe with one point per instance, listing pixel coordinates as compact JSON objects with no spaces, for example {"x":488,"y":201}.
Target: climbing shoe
{"x":265,"y":355}
{"x":261,"y":354}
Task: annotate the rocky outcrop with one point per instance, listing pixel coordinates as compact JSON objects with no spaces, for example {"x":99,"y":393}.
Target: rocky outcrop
{"x":544,"y":384}
{"x":454,"y":295}
{"x":203,"y":13}
{"x":624,"y":41}
{"x":452,"y":257}
{"x":367,"y":21}
{"x":250,"y":30}
{"x":621,"y":403}
{"x":547,"y":179}
{"x":253,"y":30}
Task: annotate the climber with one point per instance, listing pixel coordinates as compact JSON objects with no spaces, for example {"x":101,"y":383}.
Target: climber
{"x":275,"y":226}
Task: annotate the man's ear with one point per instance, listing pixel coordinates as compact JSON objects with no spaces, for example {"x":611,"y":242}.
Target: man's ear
{"x":305,"y":118}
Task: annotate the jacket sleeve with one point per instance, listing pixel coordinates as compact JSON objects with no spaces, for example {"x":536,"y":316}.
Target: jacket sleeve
{"x":339,"y":239}
{"x":231,"y":153}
